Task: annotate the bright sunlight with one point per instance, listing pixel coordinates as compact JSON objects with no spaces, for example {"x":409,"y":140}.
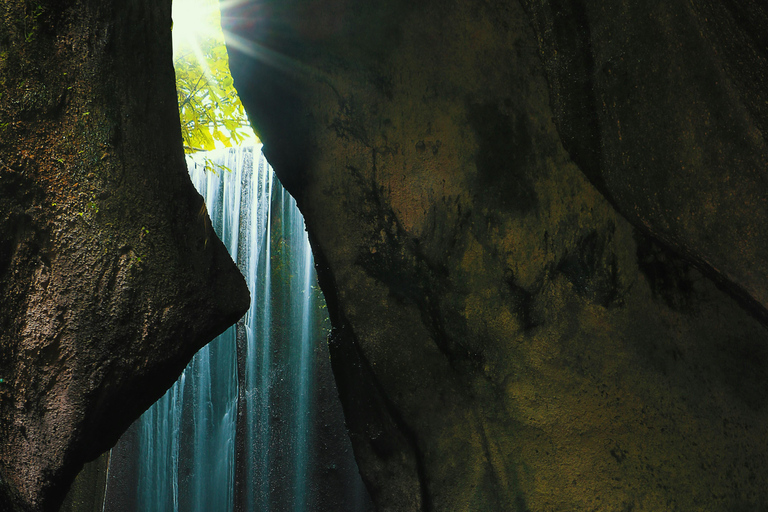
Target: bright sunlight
{"x":193,"y":21}
{"x":210,"y":110}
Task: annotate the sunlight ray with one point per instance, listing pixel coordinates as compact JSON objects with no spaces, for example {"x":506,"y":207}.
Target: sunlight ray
{"x":194,"y":20}
{"x":211,"y":114}
{"x":272,"y":58}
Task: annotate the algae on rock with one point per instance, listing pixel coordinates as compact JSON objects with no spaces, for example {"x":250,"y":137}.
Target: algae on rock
{"x":106,"y":285}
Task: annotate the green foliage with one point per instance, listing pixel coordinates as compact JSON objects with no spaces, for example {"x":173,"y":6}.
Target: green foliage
{"x":213,"y":166}
{"x":33,"y":11}
{"x":209,"y":107}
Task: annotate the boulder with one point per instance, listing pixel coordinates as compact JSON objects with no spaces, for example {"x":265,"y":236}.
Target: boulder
{"x":517,"y":324}
{"x":110,"y":276}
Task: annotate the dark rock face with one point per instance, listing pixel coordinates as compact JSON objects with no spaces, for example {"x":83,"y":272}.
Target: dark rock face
{"x":663,"y":106}
{"x":87,"y":492}
{"x":110,"y":277}
{"x":503,"y":338}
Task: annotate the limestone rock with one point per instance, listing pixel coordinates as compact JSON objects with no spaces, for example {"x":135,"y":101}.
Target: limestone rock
{"x":503,"y":338}
{"x":110,"y":276}
{"x":663,"y":106}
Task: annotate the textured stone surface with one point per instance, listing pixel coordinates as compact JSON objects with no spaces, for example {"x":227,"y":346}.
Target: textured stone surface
{"x":110,"y":278}
{"x":663,"y":106}
{"x":87,"y":492}
{"x":503,"y":338}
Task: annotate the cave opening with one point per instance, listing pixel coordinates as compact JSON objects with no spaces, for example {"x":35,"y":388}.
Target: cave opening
{"x":254,"y":422}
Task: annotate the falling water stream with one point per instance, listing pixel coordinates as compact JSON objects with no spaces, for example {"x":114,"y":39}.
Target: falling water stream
{"x":253,"y":423}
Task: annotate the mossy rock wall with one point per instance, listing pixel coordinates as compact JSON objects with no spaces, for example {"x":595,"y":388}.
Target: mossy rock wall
{"x":504,"y":339}
{"x":663,"y":106}
{"x":110,"y":276}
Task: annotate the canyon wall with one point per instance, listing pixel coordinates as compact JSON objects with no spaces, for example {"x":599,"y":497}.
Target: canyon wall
{"x":538,"y":229}
{"x":110,"y":276}
{"x":538,"y":226}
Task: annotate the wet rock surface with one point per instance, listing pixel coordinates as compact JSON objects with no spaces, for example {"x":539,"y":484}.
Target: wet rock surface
{"x":663,"y":107}
{"x":110,"y":277}
{"x":521,"y":322}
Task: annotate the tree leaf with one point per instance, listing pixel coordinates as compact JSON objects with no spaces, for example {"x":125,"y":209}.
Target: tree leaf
{"x":209,"y":108}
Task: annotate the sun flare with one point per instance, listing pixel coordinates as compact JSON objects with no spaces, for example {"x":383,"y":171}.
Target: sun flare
{"x":210,"y":111}
{"x":194,"y":21}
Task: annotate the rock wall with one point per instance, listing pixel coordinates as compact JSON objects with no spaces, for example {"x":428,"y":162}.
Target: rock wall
{"x":663,"y":106}
{"x":88,"y":491}
{"x":110,"y":276}
{"x":512,"y":329}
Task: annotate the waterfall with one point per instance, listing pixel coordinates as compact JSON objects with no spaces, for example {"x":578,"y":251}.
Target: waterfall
{"x":237,"y":432}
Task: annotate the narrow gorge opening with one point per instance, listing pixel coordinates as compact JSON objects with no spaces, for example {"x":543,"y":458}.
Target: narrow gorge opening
{"x":254,"y":423}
